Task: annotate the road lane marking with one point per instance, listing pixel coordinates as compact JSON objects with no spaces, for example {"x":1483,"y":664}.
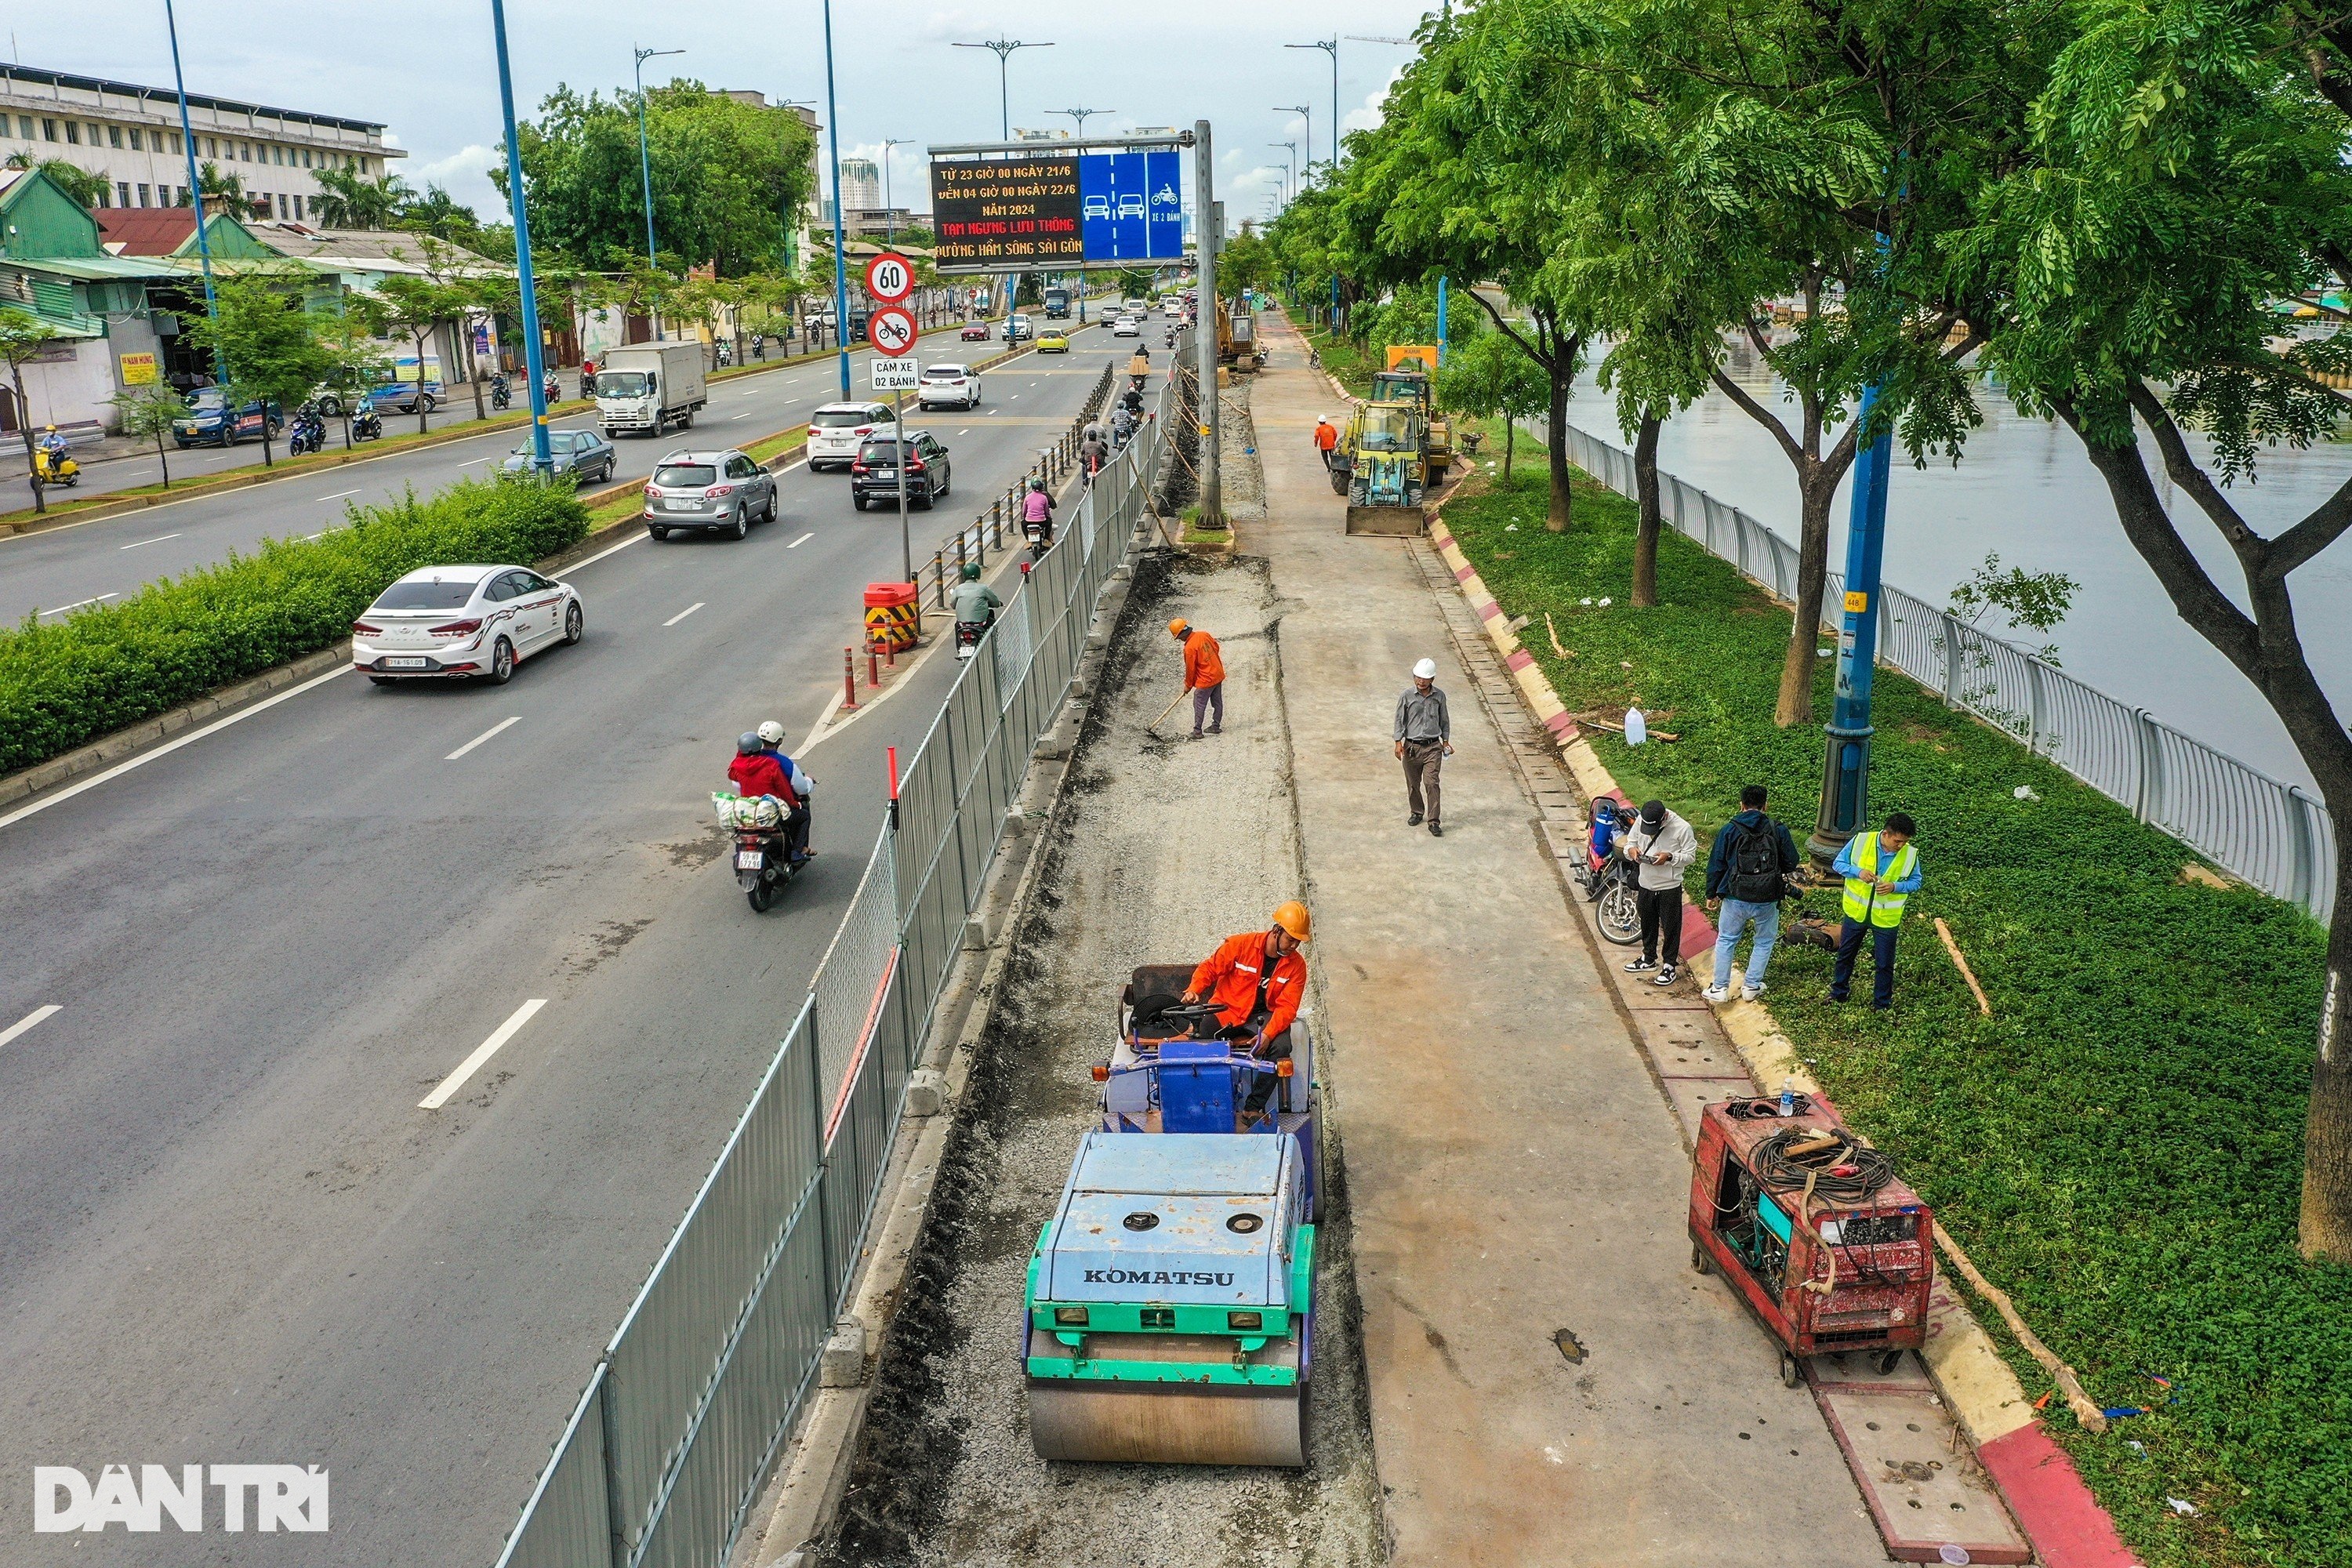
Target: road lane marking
{"x":339,"y":495}
{"x":27,"y":1021}
{"x":732,"y":417}
{"x":688,"y":610}
{"x":78,"y":604}
{"x":482,"y":1053}
{"x":482,"y":737}
{"x":137,"y":543}
{"x":471,"y":461}
{"x":143,"y":758}
{"x":803,"y":539}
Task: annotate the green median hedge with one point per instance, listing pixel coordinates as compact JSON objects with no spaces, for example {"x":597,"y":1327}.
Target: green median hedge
{"x":65,"y":683}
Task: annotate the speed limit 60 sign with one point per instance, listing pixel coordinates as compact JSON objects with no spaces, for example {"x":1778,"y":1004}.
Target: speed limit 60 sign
{"x":891,"y":330}
{"x":889,"y":278}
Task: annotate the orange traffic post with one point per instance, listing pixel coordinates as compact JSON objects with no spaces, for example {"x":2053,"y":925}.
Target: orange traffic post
{"x":848,"y":678}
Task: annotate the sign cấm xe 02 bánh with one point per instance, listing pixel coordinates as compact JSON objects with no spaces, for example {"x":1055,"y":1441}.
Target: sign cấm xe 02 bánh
{"x":989,"y":214}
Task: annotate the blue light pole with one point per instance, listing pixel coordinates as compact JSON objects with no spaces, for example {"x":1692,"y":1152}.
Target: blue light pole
{"x":195,"y":183}
{"x":1441,"y":319}
{"x":540,"y":457}
{"x":1845,"y":769}
{"x":646,"y":167}
{"x":840,"y":271}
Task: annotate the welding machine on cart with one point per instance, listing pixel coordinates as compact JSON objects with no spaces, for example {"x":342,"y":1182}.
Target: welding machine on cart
{"x":1827,"y":1249}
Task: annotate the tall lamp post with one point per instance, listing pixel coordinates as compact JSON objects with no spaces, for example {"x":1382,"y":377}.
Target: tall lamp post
{"x":1330,"y":45}
{"x":195,"y":185}
{"x":533,"y":361}
{"x":840,"y":272}
{"x":889,"y":228}
{"x":1002,"y":49}
{"x":646,"y":171}
{"x":1290,"y":190}
{"x":1845,"y":763}
{"x":1306,"y":114}
{"x":1080,"y":116}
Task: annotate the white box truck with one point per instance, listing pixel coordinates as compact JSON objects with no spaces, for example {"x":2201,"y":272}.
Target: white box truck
{"x":644,"y":388}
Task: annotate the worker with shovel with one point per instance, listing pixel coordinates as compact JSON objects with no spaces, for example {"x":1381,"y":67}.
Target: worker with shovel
{"x":1204,"y":676}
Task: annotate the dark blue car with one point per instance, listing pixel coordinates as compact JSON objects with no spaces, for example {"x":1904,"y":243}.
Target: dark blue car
{"x":207,"y":421}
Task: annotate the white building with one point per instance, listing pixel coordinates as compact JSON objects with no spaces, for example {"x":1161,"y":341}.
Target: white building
{"x":861,"y":184}
{"x":129,"y":135}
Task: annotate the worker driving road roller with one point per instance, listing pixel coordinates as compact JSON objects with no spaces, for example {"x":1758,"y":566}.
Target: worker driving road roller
{"x":1256,"y":981}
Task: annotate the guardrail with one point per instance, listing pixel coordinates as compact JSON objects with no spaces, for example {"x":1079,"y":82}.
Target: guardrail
{"x":663,"y":1456}
{"x":2274,"y":835}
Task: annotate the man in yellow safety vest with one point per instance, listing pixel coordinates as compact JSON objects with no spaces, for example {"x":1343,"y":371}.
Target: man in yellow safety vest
{"x":1881,"y":871}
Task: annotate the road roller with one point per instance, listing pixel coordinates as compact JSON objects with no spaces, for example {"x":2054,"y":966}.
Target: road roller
{"x":1170,"y":1306}
{"x":1172,"y":1071}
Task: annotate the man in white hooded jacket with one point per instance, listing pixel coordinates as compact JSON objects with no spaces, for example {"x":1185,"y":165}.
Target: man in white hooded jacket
{"x":1664,"y":846}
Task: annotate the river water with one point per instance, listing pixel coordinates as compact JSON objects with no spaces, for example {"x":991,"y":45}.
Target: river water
{"x":2024,"y":490}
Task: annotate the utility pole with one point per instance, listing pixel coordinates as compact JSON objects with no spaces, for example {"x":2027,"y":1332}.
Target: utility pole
{"x":195,"y":193}
{"x":1003,"y":49}
{"x":645,"y":174}
{"x":890,"y":226}
{"x":1845,"y":766}
{"x":840,"y":274}
{"x":1205,"y":166}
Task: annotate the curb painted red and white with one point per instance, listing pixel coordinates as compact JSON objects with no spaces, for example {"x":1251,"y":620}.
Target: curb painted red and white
{"x":2046,"y":1493}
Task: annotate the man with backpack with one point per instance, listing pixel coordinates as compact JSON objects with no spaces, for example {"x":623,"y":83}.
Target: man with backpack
{"x":1747,"y":876}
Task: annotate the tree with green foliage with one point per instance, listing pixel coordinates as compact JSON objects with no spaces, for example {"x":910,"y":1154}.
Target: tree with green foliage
{"x":23,"y":336}
{"x":221,"y":188}
{"x":2189,"y":168}
{"x":349,"y":199}
{"x":146,"y":414}
{"x":1492,"y":377}
{"x":723,"y":171}
{"x":266,"y":341}
{"x":357,"y":360}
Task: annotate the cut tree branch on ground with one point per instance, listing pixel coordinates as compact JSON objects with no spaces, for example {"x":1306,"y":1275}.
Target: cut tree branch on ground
{"x":2085,"y":1409}
{"x":1967,"y":974}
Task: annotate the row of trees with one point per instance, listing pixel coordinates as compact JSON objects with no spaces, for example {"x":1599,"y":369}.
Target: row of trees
{"x":2098,"y":202}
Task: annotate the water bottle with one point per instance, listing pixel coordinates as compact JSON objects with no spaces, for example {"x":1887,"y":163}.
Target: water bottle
{"x":1637,"y":727}
{"x":1788,"y":1096}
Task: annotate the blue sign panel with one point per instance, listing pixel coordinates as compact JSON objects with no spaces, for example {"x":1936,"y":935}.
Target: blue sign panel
{"x":1131,"y":206}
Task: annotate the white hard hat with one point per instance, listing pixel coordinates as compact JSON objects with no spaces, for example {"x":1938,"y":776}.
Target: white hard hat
{"x":1427,"y":669}
{"x":772,"y":732}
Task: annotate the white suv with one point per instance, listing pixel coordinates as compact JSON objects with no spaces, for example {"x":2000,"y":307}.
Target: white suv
{"x":838,"y":429}
{"x":948,"y":386}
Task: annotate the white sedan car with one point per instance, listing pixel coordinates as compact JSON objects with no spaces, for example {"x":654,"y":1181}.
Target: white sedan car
{"x":457,"y":622}
{"x":949,"y":386}
{"x":1127,"y":328}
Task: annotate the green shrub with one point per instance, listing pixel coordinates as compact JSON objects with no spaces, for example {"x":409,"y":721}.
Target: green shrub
{"x":2120,"y":1146}
{"x":65,"y":683}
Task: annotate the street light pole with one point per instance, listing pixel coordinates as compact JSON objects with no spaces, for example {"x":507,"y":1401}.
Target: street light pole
{"x":1845,"y":766}
{"x":196,"y":192}
{"x":540,"y":457}
{"x":1305,"y":114}
{"x":840,"y":272}
{"x":1330,"y":47}
{"x":1080,"y":116}
{"x":1290,"y":190}
{"x":889,"y":229}
{"x":645,"y":170}
{"x":1002,"y":49}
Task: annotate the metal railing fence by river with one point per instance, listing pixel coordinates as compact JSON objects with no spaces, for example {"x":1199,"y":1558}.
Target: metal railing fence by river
{"x":2274,"y":835}
{"x":662,"y":1457}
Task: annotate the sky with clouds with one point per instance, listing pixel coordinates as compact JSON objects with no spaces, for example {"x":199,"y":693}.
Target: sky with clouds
{"x":426,"y":69}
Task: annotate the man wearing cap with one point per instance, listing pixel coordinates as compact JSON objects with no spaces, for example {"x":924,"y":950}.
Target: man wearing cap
{"x":1424,"y":738}
{"x":1664,"y":846}
{"x":1204,"y":676}
{"x":1326,"y":438}
{"x":1256,"y":981}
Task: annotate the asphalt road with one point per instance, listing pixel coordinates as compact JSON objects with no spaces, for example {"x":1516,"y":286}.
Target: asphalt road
{"x":58,"y":571}
{"x":228,"y":1234}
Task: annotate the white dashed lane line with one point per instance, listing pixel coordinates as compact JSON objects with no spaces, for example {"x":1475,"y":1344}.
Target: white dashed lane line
{"x":482,"y":1053}
{"x":78,"y":604}
{"x":137,"y":543}
{"x":27,"y":1021}
{"x":683,"y":614}
{"x":803,"y":539}
{"x":485,"y":735}
{"x":339,"y":495}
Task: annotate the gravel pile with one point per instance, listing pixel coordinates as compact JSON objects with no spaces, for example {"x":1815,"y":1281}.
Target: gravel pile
{"x":1163,"y":848}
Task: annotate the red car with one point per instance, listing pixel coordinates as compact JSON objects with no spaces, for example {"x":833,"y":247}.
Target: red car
{"x":977,"y":333}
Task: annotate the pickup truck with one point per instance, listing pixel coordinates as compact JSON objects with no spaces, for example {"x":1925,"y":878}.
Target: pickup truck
{"x":644,"y":388}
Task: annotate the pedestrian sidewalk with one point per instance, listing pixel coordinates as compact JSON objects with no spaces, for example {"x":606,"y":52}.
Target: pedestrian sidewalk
{"x":1549,"y":1380}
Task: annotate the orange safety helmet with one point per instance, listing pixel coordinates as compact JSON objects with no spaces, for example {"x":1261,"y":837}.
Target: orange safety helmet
{"x":1292,"y":917}
{"x":1178,"y":626}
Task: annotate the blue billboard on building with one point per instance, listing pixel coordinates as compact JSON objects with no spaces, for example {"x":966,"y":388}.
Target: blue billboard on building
{"x":1131,"y":206}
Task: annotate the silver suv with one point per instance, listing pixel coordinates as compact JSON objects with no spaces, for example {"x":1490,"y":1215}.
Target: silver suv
{"x":726,"y":490}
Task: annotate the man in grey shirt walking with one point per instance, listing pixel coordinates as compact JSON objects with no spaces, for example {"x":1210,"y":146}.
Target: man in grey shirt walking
{"x":1424,"y":738}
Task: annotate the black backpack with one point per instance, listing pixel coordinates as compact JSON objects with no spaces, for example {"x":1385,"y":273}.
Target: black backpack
{"x":1754,"y":877}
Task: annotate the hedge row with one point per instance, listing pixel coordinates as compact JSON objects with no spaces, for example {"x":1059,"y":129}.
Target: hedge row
{"x":65,"y":683}
{"x":2120,"y":1144}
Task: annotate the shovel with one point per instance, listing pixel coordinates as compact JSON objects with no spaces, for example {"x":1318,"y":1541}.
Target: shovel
{"x":1152,"y":729}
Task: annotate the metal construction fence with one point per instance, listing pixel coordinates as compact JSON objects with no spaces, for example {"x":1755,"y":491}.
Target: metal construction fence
{"x":2273,"y":834}
{"x":662,"y":1457}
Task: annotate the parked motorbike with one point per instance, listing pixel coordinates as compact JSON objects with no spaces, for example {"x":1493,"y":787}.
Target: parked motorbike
{"x":55,"y":468}
{"x":366,"y":422}
{"x":308,"y":434}
{"x":1609,"y":879}
{"x":500,"y":397}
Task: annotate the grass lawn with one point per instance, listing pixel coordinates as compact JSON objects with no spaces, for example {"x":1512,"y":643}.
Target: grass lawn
{"x":2120,"y":1145}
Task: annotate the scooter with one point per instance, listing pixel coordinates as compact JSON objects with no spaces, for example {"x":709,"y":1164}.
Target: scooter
{"x":1609,"y":879}
{"x":55,"y":468}
{"x":1040,"y":536}
{"x":763,"y":860}
{"x":500,"y":397}
{"x":367,"y":424}
{"x":968,"y":635}
{"x":554,"y":388}
{"x":308,"y":434}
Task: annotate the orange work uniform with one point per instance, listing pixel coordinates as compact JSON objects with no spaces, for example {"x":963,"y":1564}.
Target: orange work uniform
{"x":1203,"y":666}
{"x":1325,"y":436}
{"x":1230,"y":977}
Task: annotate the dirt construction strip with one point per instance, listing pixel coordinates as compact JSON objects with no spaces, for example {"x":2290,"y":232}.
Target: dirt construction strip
{"x":1162,"y":849}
